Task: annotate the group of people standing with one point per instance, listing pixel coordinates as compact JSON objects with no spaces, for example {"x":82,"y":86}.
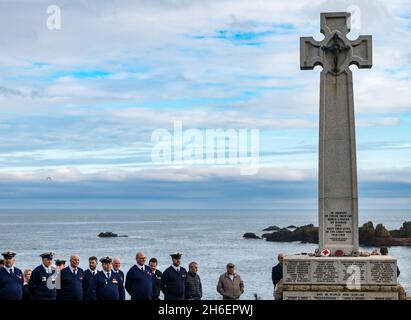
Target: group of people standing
{"x":141,"y":282}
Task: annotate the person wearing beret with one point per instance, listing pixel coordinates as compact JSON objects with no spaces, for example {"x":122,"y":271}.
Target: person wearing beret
{"x":139,"y":279}
{"x":40,"y":287}
{"x":71,"y":281}
{"x":106,"y":284}
{"x":11,"y":279}
{"x":173,"y":281}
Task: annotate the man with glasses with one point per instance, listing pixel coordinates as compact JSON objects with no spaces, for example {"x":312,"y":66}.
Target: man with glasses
{"x":173,"y":282}
{"x":11,"y":279}
{"x":230,"y":285}
{"x":40,"y":287}
{"x":139,"y":281}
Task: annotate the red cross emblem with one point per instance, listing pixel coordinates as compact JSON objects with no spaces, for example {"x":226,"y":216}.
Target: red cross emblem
{"x":325,"y":253}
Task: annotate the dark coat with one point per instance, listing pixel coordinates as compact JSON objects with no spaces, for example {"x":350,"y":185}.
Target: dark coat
{"x":86,"y":284}
{"x":139,"y":283}
{"x":194,"y":290}
{"x":173,"y":284}
{"x":71,"y":285}
{"x":277,"y":274}
{"x":38,"y":284}
{"x":26,"y":293}
{"x":121,"y":274}
{"x":157,"y":275}
{"x":11,"y":286}
{"x":102,"y":288}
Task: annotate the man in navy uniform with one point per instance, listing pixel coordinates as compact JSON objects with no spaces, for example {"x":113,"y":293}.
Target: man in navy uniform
{"x":139,"y":282}
{"x":40,"y":287}
{"x":106,"y":284}
{"x":71,"y":281}
{"x":174,"y":278}
{"x":116,"y":268}
{"x":88,"y":275}
{"x":11,"y":279}
{"x":157,"y":274}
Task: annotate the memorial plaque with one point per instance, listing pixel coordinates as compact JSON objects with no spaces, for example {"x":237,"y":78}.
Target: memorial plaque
{"x":383,"y":272}
{"x":353,"y":268}
{"x":325,"y":272}
{"x":297,"y":271}
{"x":337,"y":228}
{"x":336,"y":295}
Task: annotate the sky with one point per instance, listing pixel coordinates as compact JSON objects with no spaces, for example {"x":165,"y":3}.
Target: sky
{"x":79,"y":104}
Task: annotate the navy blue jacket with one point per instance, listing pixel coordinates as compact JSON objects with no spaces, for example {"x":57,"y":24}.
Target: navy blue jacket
{"x":139,"y":283}
{"x":86,"y":284}
{"x":11,"y":286}
{"x":277,"y":274}
{"x":102,"y":288}
{"x":38,"y":284}
{"x":173,"y":284}
{"x":71,"y":285}
{"x":157,"y":275}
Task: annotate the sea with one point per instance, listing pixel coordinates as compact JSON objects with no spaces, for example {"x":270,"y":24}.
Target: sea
{"x":210,"y":237}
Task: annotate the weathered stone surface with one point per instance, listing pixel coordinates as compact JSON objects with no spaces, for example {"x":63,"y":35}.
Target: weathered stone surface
{"x":372,"y":270}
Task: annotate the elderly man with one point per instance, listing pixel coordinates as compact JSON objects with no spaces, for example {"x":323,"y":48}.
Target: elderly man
{"x":116,"y":268}
{"x":277,"y":271}
{"x":40,"y":287}
{"x":173,"y":282}
{"x":230,"y":285}
{"x":11,"y":279}
{"x":194,"y":290}
{"x":139,"y":281}
{"x":71,"y":281}
{"x":88,"y":275}
{"x":106,"y":284}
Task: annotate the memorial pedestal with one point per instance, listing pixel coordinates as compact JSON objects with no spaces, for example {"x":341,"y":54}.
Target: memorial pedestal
{"x":340,"y":278}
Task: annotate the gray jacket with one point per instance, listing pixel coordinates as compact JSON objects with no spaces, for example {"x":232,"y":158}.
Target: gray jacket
{"x":194,"y":290}
{"x":230,"y":289}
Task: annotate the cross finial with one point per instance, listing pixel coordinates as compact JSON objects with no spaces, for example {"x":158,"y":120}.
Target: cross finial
{"x":336,"y":52}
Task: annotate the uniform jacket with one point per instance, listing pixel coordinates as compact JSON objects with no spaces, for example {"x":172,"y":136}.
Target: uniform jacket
{"x":277,"y":274}
{"x":71,"y":285}
{"x":139,"y":283}
{"x":230,"y":289}
{"x":102,"y":288}
{"x":173,"y":283}
{"x":86,"y":284}
{"x":38,"y":284}
{"x":11,"y":286}
{"x":157,"y":275}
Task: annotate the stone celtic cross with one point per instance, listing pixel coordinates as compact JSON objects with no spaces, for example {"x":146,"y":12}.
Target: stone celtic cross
{"x":338,"y":196}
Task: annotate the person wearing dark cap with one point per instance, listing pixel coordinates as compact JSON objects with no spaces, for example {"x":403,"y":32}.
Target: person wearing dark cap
{"x":60,"y":264}
{"x":88,"y":275}
{"x":139,"y":281}
{"x":157,"y":275}
{"x":173,"y":281}
{"x":11,"y":279}
{"x":40,"y":286}
{"x":71,"y":281}
{"x":106,"y":284}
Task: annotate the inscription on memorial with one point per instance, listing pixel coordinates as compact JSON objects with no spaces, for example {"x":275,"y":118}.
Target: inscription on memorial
{"x":325,"y":272}
{"x":354,"y":269}
{"x":383,"y":272}
{"x":338,"y":227}
{"x":299,"y":295}
{"x":298,"y":271}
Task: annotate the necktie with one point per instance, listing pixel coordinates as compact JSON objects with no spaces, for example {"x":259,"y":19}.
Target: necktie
{"x":75,"y":271}
{"x":178,"y":269}
{"x":108,"y":275}
{"x":142,"y":269}
{"x":11,"y":271}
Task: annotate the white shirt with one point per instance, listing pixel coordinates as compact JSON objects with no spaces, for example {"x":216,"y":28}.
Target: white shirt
{"x":109,"y":274}
{"x":93,"y":272}
{"x":140,"y":266}
{"x":8,"y":269}
{"x":176,"y":268}
{"x":48,"y":269}
{"x":231,"y":276}
{"x":72,"y":269}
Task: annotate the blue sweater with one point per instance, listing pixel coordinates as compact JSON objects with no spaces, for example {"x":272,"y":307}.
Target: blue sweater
{"x":38,"y":285}
{"x":173,"y":284}
{"x":11,"y":286}
{"x":71,"y":285}
{"x":139,"y":284}
{"x":102,"y":288}
{"x":86,"y":284}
